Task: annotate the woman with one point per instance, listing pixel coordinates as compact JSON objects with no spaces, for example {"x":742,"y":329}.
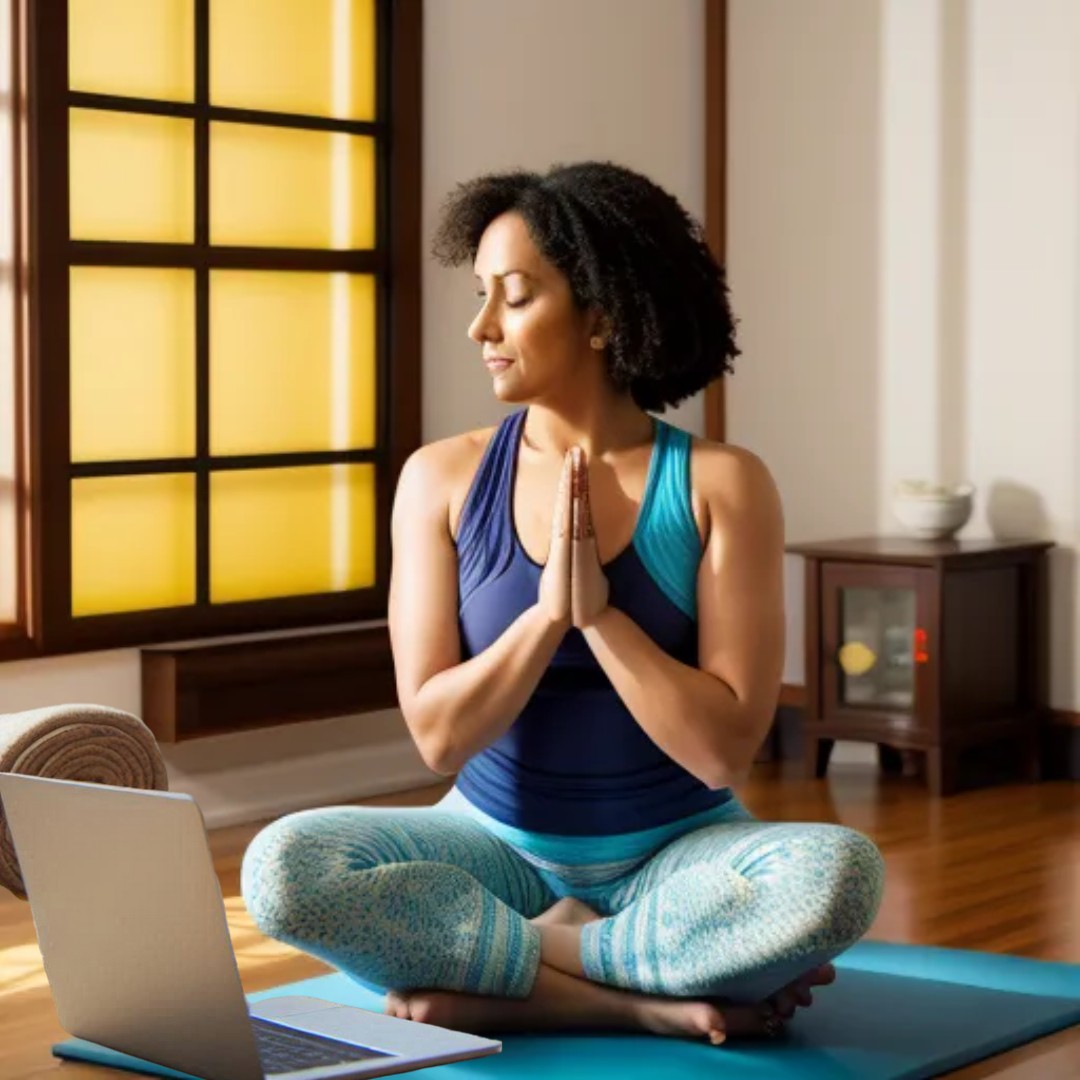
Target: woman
{"x":586,"y":612}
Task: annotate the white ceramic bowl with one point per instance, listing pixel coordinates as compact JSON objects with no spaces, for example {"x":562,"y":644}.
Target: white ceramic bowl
{"x":932,"y":511}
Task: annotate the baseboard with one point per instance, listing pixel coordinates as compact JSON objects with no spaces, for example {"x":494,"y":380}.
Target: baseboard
{"x":262,"y":792}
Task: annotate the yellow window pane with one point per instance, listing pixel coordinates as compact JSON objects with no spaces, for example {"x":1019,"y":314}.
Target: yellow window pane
{"x":134,"y":48}
{"x":132,"y":363}
{"x":281,"y":187}
{"x":292,"y":362}
{"x":132,"y":177}
{"x":132,"y":543}
{"x":291,"y":532}
{"x":299,"y":56}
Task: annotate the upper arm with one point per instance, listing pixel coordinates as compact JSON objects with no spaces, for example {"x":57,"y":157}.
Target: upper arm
{"x":740,"y":587}
{"x":423,"y":600}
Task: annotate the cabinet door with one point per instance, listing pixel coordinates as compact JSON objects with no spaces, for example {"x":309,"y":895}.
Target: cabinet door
{"x":875,"y":657}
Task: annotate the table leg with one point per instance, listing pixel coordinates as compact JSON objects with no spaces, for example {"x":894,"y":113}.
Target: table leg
{"x":818,"y":752}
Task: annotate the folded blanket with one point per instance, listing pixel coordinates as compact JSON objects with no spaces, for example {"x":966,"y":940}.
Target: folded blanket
{"x":92,"y":743}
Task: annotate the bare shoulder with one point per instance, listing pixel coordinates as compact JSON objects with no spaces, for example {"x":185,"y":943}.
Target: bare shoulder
{"x":735,"y":485}
{"x":443,"y":470}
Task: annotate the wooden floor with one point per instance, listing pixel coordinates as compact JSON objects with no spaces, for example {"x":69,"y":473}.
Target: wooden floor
{"x":997,"y":870}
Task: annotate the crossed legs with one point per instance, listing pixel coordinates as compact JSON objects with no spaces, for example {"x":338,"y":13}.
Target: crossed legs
{"x":722,"y":932}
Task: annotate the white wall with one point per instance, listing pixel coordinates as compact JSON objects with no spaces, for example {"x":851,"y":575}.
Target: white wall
{"x":506,"y":85}
{"x":528,"y":85}
{"x":904,"y":254}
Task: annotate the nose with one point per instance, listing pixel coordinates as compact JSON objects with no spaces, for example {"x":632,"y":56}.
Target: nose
{"x":485,"y":327}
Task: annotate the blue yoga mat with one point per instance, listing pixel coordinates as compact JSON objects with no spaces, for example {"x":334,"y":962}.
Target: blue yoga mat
{"x":895,"y":1012}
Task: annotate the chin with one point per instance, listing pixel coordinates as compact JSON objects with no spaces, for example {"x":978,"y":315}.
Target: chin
{"x":506,"y":391}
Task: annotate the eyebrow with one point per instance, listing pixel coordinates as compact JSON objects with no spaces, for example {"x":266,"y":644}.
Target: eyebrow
{"x":506,"y":274}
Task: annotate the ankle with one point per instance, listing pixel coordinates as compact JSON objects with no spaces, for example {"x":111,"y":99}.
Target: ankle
{"x":560,"y":948}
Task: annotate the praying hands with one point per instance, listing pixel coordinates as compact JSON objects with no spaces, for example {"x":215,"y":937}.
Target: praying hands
{"x":573,"y":586}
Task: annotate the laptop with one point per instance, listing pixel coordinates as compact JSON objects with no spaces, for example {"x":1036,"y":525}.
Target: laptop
{"x":132,"y":930}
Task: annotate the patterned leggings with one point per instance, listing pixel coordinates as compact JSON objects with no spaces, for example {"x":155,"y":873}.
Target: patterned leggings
{"x":409,"y":898}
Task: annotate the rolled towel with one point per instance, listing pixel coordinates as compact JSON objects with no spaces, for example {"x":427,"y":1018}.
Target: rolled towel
{"x":75,"y":742}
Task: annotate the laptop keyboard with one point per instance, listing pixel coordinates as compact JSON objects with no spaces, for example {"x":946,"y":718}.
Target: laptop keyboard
{"x":284,"y":1049}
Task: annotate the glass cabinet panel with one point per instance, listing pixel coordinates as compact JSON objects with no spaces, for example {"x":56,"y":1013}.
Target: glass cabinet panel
{"x":877,"y":647}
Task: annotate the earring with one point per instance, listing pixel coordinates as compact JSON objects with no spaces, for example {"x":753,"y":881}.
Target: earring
{"x":596,"y":342}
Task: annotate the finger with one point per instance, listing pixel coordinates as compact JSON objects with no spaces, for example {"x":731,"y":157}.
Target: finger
{"x":561,"y":521}
{"x":584,"y":498}
{"x":585,"y":506}
{"x":575,"y":486}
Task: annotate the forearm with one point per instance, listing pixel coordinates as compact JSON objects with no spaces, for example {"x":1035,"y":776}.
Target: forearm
{"x":694,"y":717}
{"x":467,"y":707}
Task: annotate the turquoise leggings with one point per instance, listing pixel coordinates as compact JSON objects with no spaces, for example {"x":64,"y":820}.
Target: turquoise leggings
{"x":410,"y":898}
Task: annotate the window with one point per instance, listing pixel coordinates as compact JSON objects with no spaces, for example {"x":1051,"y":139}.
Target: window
{"x":224,"y":221}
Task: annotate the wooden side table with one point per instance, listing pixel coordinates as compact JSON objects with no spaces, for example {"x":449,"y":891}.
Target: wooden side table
{"x":929,"y":646}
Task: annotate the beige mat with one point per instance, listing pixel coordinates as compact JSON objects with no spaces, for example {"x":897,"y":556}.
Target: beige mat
{"x":75,"y":742}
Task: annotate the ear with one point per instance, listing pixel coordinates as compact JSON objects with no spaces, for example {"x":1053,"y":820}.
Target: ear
{"x":599,"y":325}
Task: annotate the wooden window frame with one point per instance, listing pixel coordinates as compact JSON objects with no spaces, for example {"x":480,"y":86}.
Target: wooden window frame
{"x":48,"y":627}
{"x":15,"y":641}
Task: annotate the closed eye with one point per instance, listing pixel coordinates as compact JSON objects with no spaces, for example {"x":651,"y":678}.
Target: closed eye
{"x":509,"y":303}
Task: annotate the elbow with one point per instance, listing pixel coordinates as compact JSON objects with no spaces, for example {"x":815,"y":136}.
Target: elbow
{"x":731,"y":767}
{"x":726,"y":777}
{"x":438,"y":757}
{"x":441,"y":768}
{"x":433,"y":748}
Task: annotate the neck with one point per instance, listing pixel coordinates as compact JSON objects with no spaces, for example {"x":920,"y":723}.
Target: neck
{"x":601,"y":429}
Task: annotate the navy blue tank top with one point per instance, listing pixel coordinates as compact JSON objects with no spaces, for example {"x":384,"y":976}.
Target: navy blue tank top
{"x":575,"y":762}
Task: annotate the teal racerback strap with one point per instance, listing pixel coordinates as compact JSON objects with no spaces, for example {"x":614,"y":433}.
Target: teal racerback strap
{"x":667,"y":539}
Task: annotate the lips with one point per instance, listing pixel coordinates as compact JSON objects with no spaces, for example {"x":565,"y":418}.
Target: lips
{"x":497,"y":363}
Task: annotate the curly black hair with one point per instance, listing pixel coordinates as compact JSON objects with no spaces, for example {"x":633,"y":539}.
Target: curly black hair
{"x":628,"y":248}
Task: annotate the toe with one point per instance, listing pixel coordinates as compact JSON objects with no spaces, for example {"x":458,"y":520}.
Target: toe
{"x":422,"y":1011}
{"x":397,"y":1005}
{"x":709,"y":1021}
{"x":783,"y":1005}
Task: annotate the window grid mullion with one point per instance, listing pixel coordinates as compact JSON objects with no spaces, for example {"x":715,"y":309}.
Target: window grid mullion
{"x":203,"y":110}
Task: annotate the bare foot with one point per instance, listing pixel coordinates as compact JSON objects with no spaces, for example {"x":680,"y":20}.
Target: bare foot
{"x":560,"y":1002}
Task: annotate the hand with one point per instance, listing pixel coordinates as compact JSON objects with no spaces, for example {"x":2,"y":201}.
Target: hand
{"x":588,"y":584}
{"x":554,"y":595}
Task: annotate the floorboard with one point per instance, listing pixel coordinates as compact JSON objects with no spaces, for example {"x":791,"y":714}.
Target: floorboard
{"x":995,"y":870}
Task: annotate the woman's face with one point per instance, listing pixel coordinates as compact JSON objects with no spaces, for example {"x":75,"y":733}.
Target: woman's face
{"x":533,"y":337}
